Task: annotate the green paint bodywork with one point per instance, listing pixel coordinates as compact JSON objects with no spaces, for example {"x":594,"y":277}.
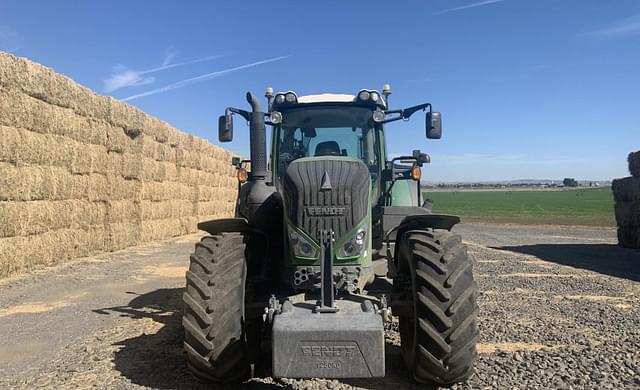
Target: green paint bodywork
{"x":400,"y":196}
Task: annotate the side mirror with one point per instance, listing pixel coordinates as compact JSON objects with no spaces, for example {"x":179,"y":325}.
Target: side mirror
{"x":434,"y":125}
{"x":225,"y":128}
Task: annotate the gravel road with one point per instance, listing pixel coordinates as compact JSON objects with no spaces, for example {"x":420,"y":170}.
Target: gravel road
{"x":559,"y":308}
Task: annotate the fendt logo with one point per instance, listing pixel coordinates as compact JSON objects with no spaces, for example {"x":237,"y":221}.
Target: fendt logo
{"x":325,"y":211}
{"x":328,"y":351}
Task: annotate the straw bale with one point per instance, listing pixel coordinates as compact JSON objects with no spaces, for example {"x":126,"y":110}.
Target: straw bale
{"x":634,"y":163}
{"x":122,"y":211}
{"x":148,"y":147}
{"x":21,"y":254}
{"x":626,"y":189}
{"x":218,"y":208}
{"x":627,"y":213}
{"x":34,"y":217}
{"x":160,"y":229}
{"x":172,"y":208}
{"x":22,"y":111}
{"x":159,"y":191}
{"x":119,"y":188}
{"x":122,"y":235}
{"x":49,"y":183}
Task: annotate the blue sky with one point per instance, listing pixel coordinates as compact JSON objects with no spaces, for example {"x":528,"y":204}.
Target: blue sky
{"x":528,"y":89}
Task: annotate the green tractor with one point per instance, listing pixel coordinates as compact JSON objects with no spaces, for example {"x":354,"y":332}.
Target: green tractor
{"x":330,"y":241}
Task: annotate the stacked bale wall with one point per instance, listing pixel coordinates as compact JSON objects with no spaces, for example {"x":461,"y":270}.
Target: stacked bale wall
{"x":626,"y":193}
{"x":82,"y":173}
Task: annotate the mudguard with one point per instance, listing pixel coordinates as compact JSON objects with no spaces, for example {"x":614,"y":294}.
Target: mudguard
{"x":226,"y":225}
{"x":397,"y":220}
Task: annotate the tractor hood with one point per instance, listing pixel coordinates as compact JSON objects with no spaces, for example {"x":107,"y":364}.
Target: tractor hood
{"x":322,"y":193}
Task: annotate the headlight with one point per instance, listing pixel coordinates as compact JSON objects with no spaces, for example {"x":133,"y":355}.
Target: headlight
{"x":354,"y":246}
{"x":378,"y":116}
{"x":300,"y":245}
{"x":364,"y":95}
{"x":290,"y":97}
{"x":275,"y":117}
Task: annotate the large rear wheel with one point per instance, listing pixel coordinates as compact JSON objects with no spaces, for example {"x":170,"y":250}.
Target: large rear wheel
{"x":214,"y":310}
{"x":439,"y":334}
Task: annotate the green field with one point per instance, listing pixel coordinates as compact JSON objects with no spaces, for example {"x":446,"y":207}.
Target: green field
{"x":590,"y":207}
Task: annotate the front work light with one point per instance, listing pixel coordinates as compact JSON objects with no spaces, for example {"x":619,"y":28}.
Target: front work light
{"x":290,"y":97}
{"x":364,"y":95}
{"x":280,"y":98}
{"x":378,"y":116}
{"x":275,"y":117}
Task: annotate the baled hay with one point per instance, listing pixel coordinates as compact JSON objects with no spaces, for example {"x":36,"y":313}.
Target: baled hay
{"x":36,"y":80}
{"x":626,"y":189}
{"x":122,"y":235}
{"x":634,"y":163}
{"x":173,"y":208}
{"x":159,"y":191}
{"x":49,"y":183}
{"x":161,"y":229}
{"x":208,"y":193}
{"x":26,"y":147}
{"x":222,"y":209}
{"x":160,"y":171}
{"x":35,"y":217}
{"x":21,"y":254}
{"x":22,"y":111}
{"x":627,"y":213}
{"x":119,"y":188}
{"x":126,"y":116}
{"x":117,"y":139}
{"x":629,"y":237}
{"x":123,"y":211}
{"x":148,"y":147}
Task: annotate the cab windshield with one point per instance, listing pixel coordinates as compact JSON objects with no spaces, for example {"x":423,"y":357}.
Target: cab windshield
{"x":327,"y":131}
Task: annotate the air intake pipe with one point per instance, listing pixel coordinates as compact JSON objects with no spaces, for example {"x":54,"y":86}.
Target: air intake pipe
{"x":258,"y":142}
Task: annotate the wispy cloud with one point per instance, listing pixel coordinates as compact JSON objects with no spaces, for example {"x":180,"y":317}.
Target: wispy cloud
{"x":463,"y":7}
{"x":202,"y":78}
{"x":10,"y":40}
{"x":622,"y":28}
{"x":170,"y":54}
{"x":123,"y":76}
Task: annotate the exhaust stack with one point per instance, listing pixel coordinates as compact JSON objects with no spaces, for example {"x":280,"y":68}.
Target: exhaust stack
{"x":258,"y":141}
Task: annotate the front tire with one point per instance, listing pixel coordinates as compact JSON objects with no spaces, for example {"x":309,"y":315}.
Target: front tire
{"x":439,"y":335}
{"x":214,"y":310}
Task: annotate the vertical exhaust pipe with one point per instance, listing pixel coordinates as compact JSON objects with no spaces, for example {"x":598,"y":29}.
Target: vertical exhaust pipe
{"x":258,"y":140}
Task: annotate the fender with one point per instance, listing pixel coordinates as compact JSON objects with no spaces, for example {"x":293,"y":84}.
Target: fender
{"x":226,"y":225}
{"x":236,"y":225}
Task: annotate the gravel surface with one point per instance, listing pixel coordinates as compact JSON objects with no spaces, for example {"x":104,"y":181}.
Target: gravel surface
{"x":558,"y":309}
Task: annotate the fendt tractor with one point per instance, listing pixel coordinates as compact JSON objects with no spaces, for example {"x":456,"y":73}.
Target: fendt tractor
{"x":329,"y":242}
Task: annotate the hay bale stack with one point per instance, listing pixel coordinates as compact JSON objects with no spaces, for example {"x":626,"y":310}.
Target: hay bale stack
{"x":634,"y":163}
{"x":82,"y":173}
{"x":626,"y":193}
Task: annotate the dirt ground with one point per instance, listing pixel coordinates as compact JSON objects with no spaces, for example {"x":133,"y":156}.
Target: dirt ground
{"x":559,"y":308}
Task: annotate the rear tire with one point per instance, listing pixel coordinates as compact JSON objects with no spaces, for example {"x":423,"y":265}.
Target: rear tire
{"x":214,"y":310}
{"x":439,"y":335}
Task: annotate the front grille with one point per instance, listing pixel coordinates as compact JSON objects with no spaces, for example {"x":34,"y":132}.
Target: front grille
{"x":340,"y":208}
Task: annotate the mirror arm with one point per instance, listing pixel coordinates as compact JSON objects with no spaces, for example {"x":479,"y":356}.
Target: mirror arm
{"x":407,"y":112}
{"x":245,"y":114}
